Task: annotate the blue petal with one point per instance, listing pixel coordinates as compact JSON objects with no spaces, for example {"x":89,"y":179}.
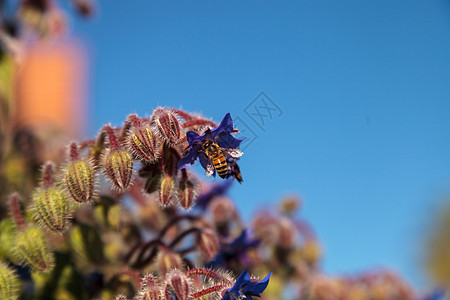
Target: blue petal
{"x":257,"y":288}
{"x":228,"y":141}
{"x":190,"y":158}
{"x":242,"y":279}
{"x":192,"y":137}
{"x":225,"y":126}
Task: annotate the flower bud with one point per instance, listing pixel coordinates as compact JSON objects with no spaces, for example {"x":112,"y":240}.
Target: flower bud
{"x":119,"y":168}
{"x":32,"y":249}
{"x":9,"y":283}
{"x":150,"y":292}
{"x":289,"y":205}
{"x":86,"y":242}
{"x":177,"y":284}
{"x":222,"y":210}
{"x":148,"y":281}
{"x":16,"y":210}
{"x":286,"y":233}
{"x":187,"y":194}
{"x":79,"y":181}
{"x":167,"y":125}
{"x":167,"y":260}
{"x":121,"y":297}
{"x":167,"y":190}
{"x":144,"y":144}
{"x":208,"y":244}
{"x":7,"y":240}
{"x":311,"y":252}
{"x":51,"y":209}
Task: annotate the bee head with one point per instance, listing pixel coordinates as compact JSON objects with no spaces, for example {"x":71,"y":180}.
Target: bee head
{"x":206,"y":145}
{"x":209,"y":146}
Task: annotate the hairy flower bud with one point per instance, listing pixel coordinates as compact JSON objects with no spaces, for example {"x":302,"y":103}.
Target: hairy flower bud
{"x":167,"y":125}
{"x":79,"y":181}
{"x":32,"y":248}
{"x":150,"y":290}
{"x":153,"y":293}
{"x":51,"y":209}
{"x":177,"y":284}
{"x":144,"y":144}
{"x":208,"y":244}
{"x":119,"y":168}
{"x":222,"y":210}
{"x":167,"y":190}
{"x":148,"y":280}
{"x":8,"y":233}
{"x":167,"y":260}
{"x":9,"y":283}
{"x":187,"y":194}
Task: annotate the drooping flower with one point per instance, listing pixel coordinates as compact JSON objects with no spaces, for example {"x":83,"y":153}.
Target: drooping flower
{"x":220,"y":135}
{"x":245,"y":288}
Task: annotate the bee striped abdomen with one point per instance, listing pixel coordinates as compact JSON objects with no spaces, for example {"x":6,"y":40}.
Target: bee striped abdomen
{"x":220,"y":165}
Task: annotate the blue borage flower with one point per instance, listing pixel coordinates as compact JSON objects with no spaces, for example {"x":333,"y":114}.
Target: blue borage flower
{"x":220,"y":135}
{"x":245,"y":288}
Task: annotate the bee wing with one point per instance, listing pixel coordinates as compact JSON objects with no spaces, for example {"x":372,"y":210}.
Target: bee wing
{"x":209,"y":169}
{"x":232,"y":152}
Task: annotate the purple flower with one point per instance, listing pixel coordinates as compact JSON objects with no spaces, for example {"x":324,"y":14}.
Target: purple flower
{"x":217,"y":189}
{"x":245,"y":288}
{"x":235,"y":250}
{"x":220,"y":135}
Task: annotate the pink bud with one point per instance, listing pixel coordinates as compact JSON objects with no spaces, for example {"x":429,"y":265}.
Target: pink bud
{"x":187,"y":194}
{"x":177,"y":284}
{"x":153,"y":293}
{"x":167,"y":191}
{"x":150,"y":290}
{"x":208,"y":244}
{"x":144,"y":144}
{"x":167,"y":125}
{"x":168,"y":260}
{"x":222,"y":210}
{"x":119,"y":168}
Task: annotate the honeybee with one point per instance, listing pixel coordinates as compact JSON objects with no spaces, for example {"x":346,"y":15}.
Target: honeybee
{"x":216,"y":158}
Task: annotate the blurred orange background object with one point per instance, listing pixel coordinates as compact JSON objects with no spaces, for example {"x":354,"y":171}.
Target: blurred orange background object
{"x":51,"y":88}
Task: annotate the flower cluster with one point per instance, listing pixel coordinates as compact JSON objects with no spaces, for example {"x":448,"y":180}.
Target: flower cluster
{"x":77,"y":223}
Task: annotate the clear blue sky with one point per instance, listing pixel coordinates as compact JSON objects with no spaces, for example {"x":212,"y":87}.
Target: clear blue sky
{"x":364,"y":87}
